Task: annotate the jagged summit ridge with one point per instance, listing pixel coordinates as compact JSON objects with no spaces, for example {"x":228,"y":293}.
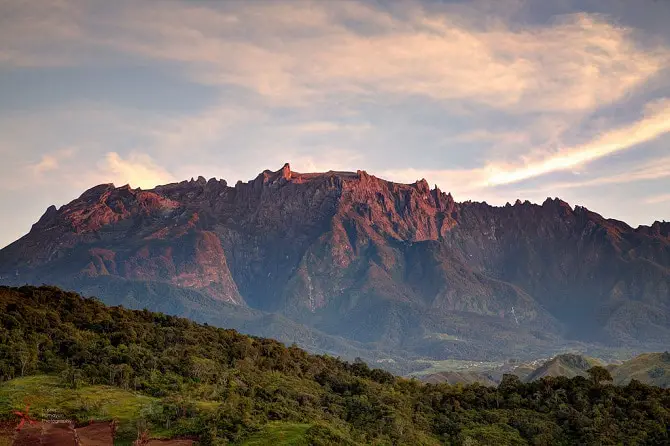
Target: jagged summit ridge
{"x":285,"y":175}
{"x":358,"y":256}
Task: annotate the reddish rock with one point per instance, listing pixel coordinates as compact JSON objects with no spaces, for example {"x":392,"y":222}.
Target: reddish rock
{"x":363,"y":257}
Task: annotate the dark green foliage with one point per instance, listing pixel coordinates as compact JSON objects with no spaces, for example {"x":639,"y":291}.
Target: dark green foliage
{"x":599,"y":374}
{"x":252,"y":382}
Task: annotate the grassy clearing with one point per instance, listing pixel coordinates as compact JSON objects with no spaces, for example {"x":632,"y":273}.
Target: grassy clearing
{"x":455,"y":365}
{"x":279,"y":434}
{"x":444,"y":337}
{"x":48,"y":399}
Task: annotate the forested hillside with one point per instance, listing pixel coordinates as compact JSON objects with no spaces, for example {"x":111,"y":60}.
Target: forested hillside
{"x":221,"y":387}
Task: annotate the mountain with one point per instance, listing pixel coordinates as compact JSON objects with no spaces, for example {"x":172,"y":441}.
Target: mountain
{"x":116,"y":375}
{"x":568,"y":365}
{"x":648,"y":368}
{"x":352,"y":258}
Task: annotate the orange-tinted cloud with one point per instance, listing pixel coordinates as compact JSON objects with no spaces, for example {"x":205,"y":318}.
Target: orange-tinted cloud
{"x":655,"y":123}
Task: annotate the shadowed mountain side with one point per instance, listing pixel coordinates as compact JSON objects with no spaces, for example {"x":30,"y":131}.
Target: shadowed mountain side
{"x":396,"y":266}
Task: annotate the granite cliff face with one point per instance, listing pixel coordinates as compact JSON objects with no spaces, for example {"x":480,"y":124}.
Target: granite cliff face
{"x":352,"y":255}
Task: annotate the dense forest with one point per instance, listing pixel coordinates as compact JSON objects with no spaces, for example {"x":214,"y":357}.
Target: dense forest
{"x":250,"y":382}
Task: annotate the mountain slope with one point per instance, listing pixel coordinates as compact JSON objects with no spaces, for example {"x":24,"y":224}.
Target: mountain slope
{"x":351,"y":255}
{"x":73,"y":358}
{"x":568,"y":365}
{"x":648,"y":368}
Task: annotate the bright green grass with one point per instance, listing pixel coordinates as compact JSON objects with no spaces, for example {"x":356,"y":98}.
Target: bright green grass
{"x":47,"y":397}
{"x":279,"y":434}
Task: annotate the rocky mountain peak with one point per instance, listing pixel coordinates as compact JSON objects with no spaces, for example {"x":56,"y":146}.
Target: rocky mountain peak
{"x":96,"y":191}
{"x":367,"y":258}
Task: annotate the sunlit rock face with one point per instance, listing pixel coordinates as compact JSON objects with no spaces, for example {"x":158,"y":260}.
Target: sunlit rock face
{"x":365,"y":258}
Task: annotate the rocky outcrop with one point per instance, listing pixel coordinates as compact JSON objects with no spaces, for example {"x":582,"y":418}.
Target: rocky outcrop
{"x":371,"y":260}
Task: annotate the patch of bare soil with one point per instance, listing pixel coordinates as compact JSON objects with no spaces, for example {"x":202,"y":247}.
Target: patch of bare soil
{"x":95,"y":434}
{"x":7,"y":431}
{"x":170,"y":443}
{"x":45,"y":434}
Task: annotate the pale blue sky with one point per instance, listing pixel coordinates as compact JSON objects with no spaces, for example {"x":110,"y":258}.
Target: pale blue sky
{"x":492,"y":101}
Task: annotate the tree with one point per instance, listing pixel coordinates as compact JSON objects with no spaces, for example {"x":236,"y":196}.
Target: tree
{"x":509,"y":383}
{"x":599,"y":374}
{"x":27,"y":358}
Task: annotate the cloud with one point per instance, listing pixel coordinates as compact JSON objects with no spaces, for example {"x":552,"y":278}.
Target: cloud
{"x":308,"y":51}
{"x":481,"y":182}
{"x":656,"y":199}
{"x":655,"y":123}
{"x":138,"y":170}
{"x":193,"y":132}
{"x":51,"y":161}
{"x":311,"y":50}
{"x":48,"y":162}
{"x":649,"y":171}
{"x":41,"y":34}
{"x":328,"y":127}
{"x":461,"y":182}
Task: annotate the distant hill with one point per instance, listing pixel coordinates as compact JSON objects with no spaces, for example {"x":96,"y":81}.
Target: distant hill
{"x":152,"y":375}
{"x":568,"y":365}
{"x":351,"y":262}
{"x":649,"y":368}
{"x":461,"y":377}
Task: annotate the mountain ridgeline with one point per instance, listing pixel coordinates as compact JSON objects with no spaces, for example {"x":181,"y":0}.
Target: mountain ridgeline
{"x":346,"y":262}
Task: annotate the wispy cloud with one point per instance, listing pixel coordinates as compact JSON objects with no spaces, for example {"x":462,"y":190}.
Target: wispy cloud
{"x":61,"y":167}
{"x":309,"y":50}
{"x":461,"y":182}
{"x":482,"y":181}
{"x":51,"y":161}
{"x":655,"y":123}
{"x":648,"y":171}
{"x":138,"y":170}
{"x":656,"y":199}
{"x":41,"y":34}
{"x":196,"y":131}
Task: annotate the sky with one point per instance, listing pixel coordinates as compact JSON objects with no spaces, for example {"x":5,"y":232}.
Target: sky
{"x":490,"y":100}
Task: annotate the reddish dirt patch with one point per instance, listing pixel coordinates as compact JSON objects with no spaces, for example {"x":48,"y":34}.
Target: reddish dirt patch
{"x":170,"y":443}
{"x":29,"y":435}
{"x":45,"y":434}
{"x":58,"y":435}
{"x":7,"y":431}
{"x":96,"y":434}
